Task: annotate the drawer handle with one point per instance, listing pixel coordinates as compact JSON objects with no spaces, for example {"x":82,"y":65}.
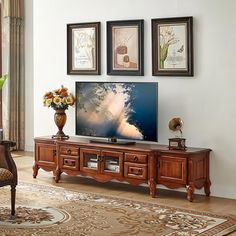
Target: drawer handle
{"x":135,"y":158}
{"x":69,"y":152}
{"x":69,"y":162}
{"x":136,"y":171}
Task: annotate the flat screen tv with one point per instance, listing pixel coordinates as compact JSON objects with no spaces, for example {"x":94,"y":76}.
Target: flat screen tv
{"x":117,"y":110}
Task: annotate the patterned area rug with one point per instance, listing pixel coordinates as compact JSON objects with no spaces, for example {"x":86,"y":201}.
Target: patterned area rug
{"x":32,"y":217}
{"x":44,"y":210}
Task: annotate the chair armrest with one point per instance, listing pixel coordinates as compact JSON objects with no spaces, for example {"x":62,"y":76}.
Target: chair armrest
{"x":8,"y":143}
{"x":10,"y":162}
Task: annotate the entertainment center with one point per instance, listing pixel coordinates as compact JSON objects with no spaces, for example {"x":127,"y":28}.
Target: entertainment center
{"x":138,"y":163}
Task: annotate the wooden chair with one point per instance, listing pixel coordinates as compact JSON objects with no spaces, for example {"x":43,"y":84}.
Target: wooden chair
{"x":8,"y":171}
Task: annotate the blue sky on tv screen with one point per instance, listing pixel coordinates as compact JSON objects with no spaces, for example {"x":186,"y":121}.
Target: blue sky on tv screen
{"x":121,"y":110}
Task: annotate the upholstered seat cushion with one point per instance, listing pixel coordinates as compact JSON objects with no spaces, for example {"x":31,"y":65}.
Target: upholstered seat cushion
{"x":5,"y":174}
{"x":3,"y":162}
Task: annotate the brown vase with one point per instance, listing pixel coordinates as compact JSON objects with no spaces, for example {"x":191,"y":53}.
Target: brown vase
{"x":60,"y":120}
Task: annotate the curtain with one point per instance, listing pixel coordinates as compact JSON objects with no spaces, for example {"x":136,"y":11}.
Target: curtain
{"x":13,"y":65}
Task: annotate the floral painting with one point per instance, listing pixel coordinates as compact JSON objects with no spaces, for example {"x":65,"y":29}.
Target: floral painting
{"x":83,"y":43}
{"x":172,"y":46}
{"x":83,"y":48}
{"x":173,"y":52}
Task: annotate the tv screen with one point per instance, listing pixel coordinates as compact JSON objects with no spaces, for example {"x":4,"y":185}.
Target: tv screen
{"x":117,"y":110}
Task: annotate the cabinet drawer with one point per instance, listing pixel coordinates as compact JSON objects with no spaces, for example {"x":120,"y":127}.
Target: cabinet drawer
{"x":138,"y":158}
{"x":69,"y":163}
{"x":135,"y":171}
{"x":70,"y":151}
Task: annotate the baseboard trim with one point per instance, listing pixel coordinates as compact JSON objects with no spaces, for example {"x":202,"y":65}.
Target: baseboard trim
{"x":29,"y":148}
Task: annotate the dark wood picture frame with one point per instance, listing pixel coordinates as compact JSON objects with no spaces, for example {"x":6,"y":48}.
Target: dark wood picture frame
{"x":91,"y":58}
{"x":125,"y":47}
{"x":172,"y":46}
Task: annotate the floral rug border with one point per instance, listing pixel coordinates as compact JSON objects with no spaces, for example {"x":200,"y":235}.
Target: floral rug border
{"x":228,"y":226}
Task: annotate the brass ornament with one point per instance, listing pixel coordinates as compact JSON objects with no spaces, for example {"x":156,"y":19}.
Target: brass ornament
{"x":177,"y":143}
{"x":176,"y":124}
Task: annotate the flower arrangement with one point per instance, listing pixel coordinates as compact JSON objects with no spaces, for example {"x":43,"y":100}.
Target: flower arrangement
{"x":59,"y":99}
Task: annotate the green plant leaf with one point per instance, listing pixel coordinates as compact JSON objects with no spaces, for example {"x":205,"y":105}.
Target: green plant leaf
{"x":2,"y":80}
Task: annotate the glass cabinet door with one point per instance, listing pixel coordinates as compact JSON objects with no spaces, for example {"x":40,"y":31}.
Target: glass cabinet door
{"x":112,"y":163}
{"x":89,"y":160}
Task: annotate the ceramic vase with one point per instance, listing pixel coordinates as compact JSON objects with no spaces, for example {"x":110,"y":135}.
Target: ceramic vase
{"x":60,"y":120}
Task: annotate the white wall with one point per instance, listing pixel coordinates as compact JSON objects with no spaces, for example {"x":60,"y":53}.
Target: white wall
{"x":206,"y":102}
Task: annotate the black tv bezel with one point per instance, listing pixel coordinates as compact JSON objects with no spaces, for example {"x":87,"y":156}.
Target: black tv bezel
{"x":108,"y":138}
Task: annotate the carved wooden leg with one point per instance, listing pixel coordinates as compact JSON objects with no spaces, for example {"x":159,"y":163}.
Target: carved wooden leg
{"x":57,"y":175}
{"x":152,"y":175}
{"x":152,"y":186}
{"x":54,"y":173}
{"x":35,"y":170}
{"x":190,"y":192}
{"x":207,"y":186}
{"x":13,"y":199}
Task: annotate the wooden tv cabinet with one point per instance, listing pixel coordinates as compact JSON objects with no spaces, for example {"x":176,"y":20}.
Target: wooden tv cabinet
{"x":139,"y":163}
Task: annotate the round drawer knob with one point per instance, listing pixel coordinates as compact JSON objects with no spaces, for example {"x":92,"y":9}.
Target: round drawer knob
{"x":68,"y":151}
{"x":135,"y":158}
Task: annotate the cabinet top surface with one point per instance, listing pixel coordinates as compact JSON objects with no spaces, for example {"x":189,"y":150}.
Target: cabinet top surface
{"x":135,"y":147}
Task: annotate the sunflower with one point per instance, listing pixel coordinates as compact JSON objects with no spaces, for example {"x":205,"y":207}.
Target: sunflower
{"x":48,"y":102}
{"x":57,"y":100}
{"x":70,"y":100}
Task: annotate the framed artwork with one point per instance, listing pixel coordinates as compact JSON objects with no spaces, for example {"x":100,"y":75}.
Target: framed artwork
{"x":83,"y":49}
{"x":172,"y":46}
{"x":125,"y":47}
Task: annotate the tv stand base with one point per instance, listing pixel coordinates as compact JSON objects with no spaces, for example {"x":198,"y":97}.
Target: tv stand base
{"x":136,"y":164}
